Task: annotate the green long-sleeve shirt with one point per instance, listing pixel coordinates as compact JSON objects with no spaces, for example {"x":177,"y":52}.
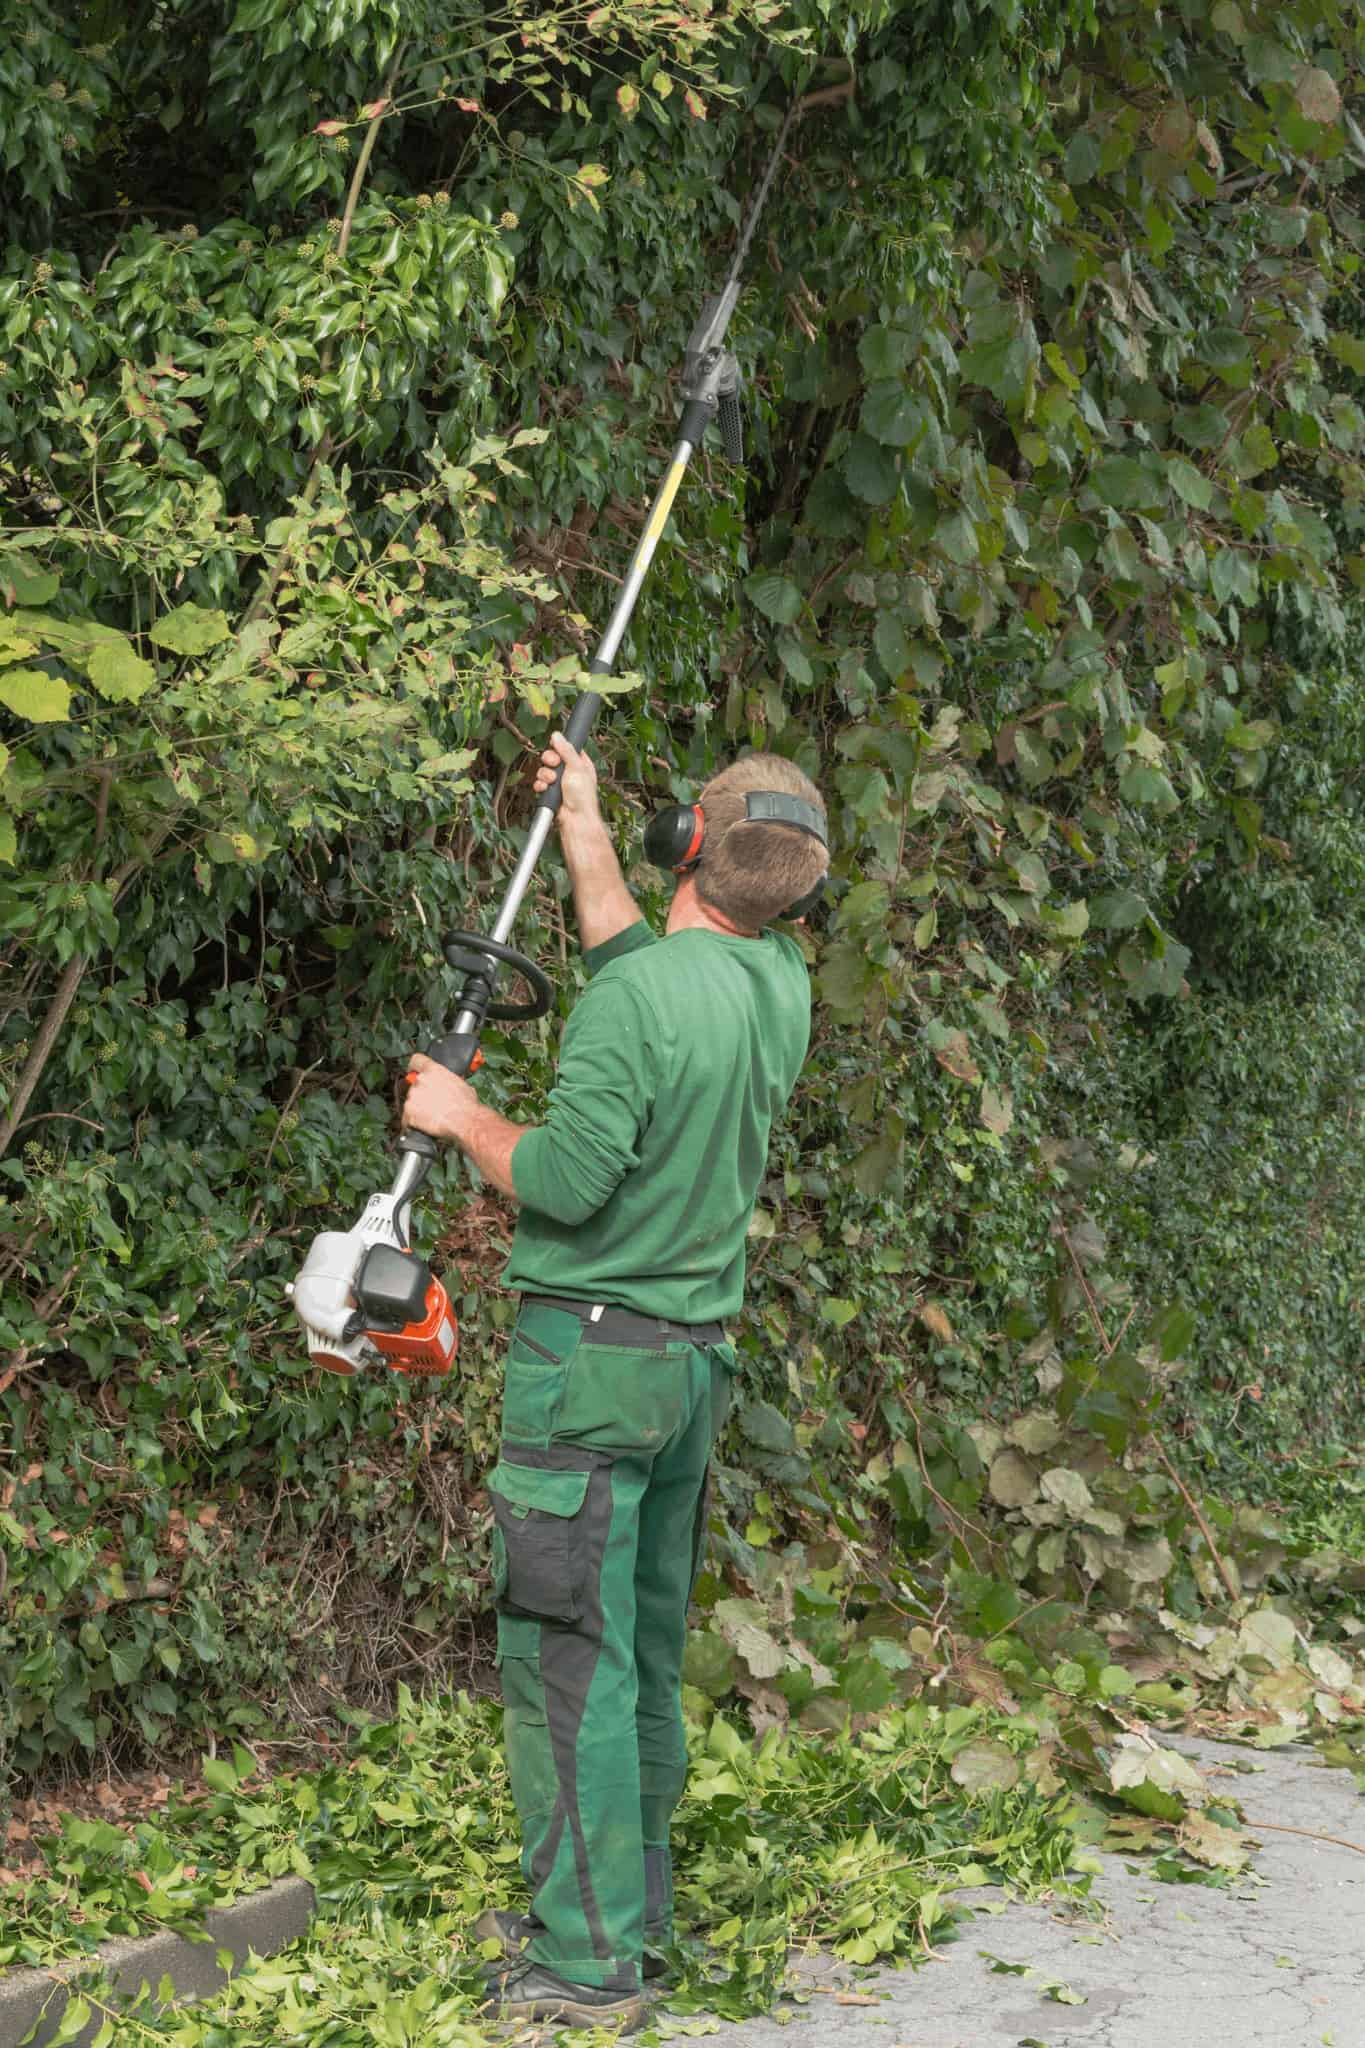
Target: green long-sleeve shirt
{"x":638,"y":1187}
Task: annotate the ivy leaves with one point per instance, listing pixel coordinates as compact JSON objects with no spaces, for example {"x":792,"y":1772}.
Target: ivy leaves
{"x":1037,"y":498}
{"x":1114,"y":512}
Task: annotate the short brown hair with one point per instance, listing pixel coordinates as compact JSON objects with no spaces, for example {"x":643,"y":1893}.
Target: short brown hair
{"x":752,"y":871}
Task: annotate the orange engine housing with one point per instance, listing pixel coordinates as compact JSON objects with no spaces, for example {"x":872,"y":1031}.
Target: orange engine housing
{"x":428,"y":1347}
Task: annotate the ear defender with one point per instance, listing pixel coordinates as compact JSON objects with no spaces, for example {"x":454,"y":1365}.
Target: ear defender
{"x":674,"y":836}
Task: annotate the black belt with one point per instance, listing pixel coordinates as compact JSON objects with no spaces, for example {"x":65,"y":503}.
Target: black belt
{"x":610,"y":1325}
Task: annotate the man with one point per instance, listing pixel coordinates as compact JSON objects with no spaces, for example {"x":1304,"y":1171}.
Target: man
{"x":636,"y":1195}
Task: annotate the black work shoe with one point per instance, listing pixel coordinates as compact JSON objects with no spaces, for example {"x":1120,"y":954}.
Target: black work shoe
{"x":526,"y":1990}
{"x":514,"y":1930}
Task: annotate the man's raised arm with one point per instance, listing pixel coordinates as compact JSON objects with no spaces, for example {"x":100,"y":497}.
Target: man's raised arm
{"x":602,"y":901}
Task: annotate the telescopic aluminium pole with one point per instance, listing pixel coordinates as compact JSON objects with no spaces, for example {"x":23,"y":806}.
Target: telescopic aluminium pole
{"x":710,"y":387}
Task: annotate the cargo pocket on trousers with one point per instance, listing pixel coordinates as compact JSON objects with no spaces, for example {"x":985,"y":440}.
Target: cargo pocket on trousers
{"x":541,"y":1565}
{"x":519,"y":1643}
{"x":536,"y":1375}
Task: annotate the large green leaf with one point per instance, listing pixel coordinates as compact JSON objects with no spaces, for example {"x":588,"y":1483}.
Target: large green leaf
{"x":1223,"y":348}
{"x":885,"y":351}
{"x":1233,"y":576}
{"x":873,"y":1166}
{"x":1002,"y":352}
{"x":1127,"y":484}
{"x":35,"y":696}
{"x":1083,"y":157}
{"x":709,"y":1663}
{"x":767,"y":1426}
{"x":869,"y":470}
{"x":1202,"y":426}
{"x":891,"y":415}
{"x":189,"y":629}
{"x":957,"y":537}
{"x":1254,"y":450}
{"x":1117,"y":909}
{"x":117,"y":673}
{"x":1349,"y":349}
{"x":1189,"y":483}
{"x":830,"y":508}
{"x":23,"y":581}
{"x":777,"y":597}
{"x":795,"y":661}
{"x":892,"y":644}
{"x":985,"y":1766}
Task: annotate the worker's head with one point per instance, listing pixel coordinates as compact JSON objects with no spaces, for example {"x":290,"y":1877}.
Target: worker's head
{"x":752,"y":870}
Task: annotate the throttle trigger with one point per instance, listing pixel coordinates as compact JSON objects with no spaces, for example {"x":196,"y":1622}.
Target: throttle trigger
{"x":476,"y":1063}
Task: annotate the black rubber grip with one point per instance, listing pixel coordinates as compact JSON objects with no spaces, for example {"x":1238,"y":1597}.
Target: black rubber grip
{"x":582,"y":719}
{"x":697,"y":416}
{"x":455,"y":1051}
{"x":419,"y":1142}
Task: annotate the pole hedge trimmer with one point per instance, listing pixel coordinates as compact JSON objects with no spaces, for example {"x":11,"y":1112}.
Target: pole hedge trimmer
{"x":363,"y":1295}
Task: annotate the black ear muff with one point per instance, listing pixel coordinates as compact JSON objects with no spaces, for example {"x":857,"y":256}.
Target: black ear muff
{"x":804,"y":905}
{"x":673,"y":837}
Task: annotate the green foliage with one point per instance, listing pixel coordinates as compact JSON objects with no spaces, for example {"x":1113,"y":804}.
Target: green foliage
{"x":327,"y":412}
{"x":863,"y":1844}
{"x":1033,"y":1564}
{"x":1324,"y":1504}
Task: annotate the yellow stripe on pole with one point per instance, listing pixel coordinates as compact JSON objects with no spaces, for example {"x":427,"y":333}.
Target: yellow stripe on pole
{"x":663,"y":506}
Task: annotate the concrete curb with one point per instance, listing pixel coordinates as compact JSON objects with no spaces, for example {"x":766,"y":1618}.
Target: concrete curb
{"x":260,"y":1923}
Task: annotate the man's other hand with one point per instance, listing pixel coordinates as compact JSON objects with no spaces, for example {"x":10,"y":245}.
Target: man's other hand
{"x":579,"y":805}
{"x":438,"y":1102}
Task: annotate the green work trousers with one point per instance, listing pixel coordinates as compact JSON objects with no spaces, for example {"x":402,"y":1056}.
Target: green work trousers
{"x":599,"y":1497}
